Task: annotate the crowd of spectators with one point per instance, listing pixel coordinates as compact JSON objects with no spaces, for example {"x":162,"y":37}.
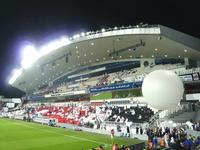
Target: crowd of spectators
{"x":91,"y":115}
{"x":196,"y":126}
{"x":138,"y":114}
{"x":103,"y":80}
{"x":126,"y":75}
{"x":175,"y":139}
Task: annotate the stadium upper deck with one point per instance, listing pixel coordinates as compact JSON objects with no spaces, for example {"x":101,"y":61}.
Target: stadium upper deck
{"x":67,"y":55}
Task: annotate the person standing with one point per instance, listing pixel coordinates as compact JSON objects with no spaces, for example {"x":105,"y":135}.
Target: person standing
{"x":115,"y":147}
{"x":112,"y":134}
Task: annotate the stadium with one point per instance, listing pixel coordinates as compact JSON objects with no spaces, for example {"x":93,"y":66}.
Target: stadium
{"x":79,"y":90}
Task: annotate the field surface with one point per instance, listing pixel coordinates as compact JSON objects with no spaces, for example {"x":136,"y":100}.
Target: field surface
{"x":19,"y":135}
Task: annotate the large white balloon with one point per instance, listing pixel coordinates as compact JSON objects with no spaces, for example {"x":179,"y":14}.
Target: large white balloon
{"x":162,"y":89}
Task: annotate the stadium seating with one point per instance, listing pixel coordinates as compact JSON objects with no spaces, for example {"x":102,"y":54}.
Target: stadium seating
{"x":92,"y":113}
{"x":65,"y":114}
{"x":134,"y":114}
{"x":123,"y":76}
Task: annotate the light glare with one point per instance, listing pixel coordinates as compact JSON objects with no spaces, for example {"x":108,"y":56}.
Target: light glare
{"x":82,"y":34}
{"x":53,"y":46}
{"x":16,"y":74}
{"x":103,"y":30}
{"x":29,"y":56}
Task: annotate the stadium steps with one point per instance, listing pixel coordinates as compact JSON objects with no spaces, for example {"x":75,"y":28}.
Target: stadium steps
{"x":154,"y":118}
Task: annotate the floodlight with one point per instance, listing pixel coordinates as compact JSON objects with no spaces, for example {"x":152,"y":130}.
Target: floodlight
{"x":29,"y":56}
{"x":76,"y":36}
{"x":63,"y":41}
{"x":174,"y":124}
{"x":82,"y":34}
{"x":87,"y":33}
{"x":170,"y":121}
{"x":15,"y":74}
{"x":103,"y":30}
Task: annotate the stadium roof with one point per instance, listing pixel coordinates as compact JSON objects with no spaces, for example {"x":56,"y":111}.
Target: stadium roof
{"x":93,"y":48}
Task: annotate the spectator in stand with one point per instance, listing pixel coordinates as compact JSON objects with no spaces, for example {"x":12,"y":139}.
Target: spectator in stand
{"x":197,"y":141}
{"x":115,"y":147}
{"x":172,"y":143}
{"x":149,"y":144}
{"x":166,"y":138}
{"x":162,"y":143}
{"x":100,"y":147}
{"x":155,"y":141}
{"x":187,"y":144}
{"x":178,"y":145}
{"x":160,"y":132}
{"x":128,"y":148}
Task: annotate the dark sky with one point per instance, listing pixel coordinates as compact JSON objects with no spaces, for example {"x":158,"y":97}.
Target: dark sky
{"x":40,"y":21}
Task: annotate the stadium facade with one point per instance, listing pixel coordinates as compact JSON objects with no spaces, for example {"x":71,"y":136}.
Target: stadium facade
{"x":109,"y":66}
{"x":99,"y":75}
{"x":87,"y":53}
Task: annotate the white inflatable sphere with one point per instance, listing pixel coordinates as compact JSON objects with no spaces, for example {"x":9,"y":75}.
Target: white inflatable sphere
{"x":162,"y":89}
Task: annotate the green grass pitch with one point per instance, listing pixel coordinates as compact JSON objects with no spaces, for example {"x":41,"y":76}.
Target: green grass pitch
{"x":19,"y":135}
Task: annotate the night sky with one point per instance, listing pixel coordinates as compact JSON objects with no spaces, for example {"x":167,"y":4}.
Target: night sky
{"x":40,"y":21}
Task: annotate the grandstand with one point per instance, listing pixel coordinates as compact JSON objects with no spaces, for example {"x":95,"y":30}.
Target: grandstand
{"x":92,"y":81}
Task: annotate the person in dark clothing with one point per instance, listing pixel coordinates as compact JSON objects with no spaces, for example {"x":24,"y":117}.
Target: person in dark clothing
{"x":178,"y":145}
{"x":197,"y":141}
{"x":128,"y":131}
{"x":155,"y":141}
{"x":160,"y":132}
{"x":137,"y":130}
{"x":141,"y":130}
{"x":187,"y":144}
